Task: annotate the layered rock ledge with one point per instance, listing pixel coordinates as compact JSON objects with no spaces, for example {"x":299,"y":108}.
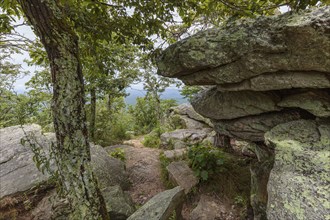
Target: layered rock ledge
{"x":265,"y":73}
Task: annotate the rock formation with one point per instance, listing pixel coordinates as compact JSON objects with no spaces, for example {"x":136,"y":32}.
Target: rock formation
{"x":19,"y":174}
{"x":269,"y":75}
{"x":190,"y":128}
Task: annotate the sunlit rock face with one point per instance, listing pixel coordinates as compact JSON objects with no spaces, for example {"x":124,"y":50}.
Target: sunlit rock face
{"x":269,"y":75}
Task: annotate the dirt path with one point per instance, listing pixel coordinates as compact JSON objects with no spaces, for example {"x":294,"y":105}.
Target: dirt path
{"x":143,"y":167}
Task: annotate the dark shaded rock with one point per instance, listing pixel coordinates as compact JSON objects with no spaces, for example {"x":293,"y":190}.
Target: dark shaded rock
{"x":253,"y":128}
{"x":298,"y":186}
{"x":119,"y":204}
{"x":259,"y":178}
{"x":180,"y":174}
{"x":110,"y":171}
{"x":207,"y":209}
{"x":161,"y":206}
{"x":229,"y":105}
{"x":278,"y":80}
{"x":316,"y":102}
{"x":292,"y":42}
{"x":51,"y":207}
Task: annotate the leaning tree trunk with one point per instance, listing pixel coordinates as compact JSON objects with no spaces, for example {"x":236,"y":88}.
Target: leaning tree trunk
{"x":93,"y":113}
{"x":72,"y":151}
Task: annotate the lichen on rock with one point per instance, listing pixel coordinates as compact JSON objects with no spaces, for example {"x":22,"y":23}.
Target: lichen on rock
{"x":298,"y":186}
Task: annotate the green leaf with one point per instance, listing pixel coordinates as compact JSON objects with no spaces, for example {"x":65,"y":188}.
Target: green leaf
{"x":220,"y":162}
{"x":204,"y":175}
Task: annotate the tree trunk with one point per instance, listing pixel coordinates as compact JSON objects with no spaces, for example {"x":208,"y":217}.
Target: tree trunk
{"x":93,"y":113}
{"x":72,"y":151}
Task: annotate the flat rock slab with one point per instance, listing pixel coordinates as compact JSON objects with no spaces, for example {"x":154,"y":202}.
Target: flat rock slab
{"x":291,"y":42}
{"x":315,"y":102}
{"x":280,"y":80}
{"x":18,"y":172}
{"x":253,"y":128}
{"x":229,"y":105}
{"x":298,"y":186}
{"x":110,"y":171}
{"x":161,"y":206}
{"x":180,"y":174}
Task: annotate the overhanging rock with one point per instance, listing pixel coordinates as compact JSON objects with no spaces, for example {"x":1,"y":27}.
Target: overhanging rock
{"x":267,"y":72}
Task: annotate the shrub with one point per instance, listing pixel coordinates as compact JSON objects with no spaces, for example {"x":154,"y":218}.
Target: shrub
{"x":151,"y":140}
{"x":145,"y":113}
{"x":164,"y":162}
{"x":119,"y":154}
{"x":111,"y":125}
{"x":206,"y":160}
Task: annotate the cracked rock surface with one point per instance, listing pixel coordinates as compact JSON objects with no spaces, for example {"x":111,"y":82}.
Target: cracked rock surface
{"x":268,"y":75}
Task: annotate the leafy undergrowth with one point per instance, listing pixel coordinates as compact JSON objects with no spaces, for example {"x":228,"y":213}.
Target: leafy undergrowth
{"x":223,"y":176}
{"x":229,"y":181}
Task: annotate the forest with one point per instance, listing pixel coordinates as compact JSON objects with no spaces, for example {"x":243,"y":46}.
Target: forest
{"x":86,"y":55}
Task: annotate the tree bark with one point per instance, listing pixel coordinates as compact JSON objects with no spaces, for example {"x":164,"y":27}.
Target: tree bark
{"x":93,"y":113}
{"x":72,"y":150}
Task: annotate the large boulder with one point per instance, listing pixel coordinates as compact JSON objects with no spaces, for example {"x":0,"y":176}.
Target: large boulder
{"x":254,"y":127}
{"x":298,"y":186}
{"x":315,"y":102}
{"x":161,"y":206}
{"x":188,"y":111}
{"x":189,"y":136}
{"x":238,"y":51}
{"x":119,"y":204}
{"x":18,"y":172}
{"x":175,"y":154}
{"x":282,"y":80}
{"x":267,"y":72}
{"x":183,"y":121}
{"x":229,"y":105}
{"x":110,"y":171}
